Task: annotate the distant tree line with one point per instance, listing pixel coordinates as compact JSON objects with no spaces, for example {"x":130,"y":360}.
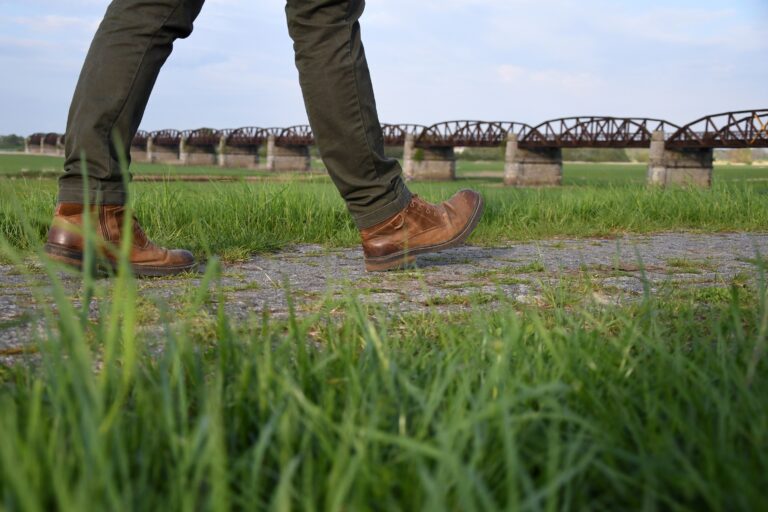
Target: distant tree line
{"x":741,"y":156}
{"x":11,"y":142}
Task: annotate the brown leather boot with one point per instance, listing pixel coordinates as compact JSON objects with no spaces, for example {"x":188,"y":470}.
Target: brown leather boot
{"x":66,"y":242}
{"x":419,"y":228}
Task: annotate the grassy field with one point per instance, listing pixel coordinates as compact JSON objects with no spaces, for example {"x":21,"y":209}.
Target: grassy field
{"x":574,"y":173}
{"x":22,"y":165}
{"x":661,"y":404}
{"x":233,"y":220}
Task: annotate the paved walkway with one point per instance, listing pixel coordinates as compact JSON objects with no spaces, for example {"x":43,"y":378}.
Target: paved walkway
{"x":602,"y":271}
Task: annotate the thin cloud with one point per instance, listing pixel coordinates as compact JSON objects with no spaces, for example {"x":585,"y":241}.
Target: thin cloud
{"x":568,"y":82}
{"x":54,"y":22}
{"x":430,"y":60}
{"x":24,"y":43}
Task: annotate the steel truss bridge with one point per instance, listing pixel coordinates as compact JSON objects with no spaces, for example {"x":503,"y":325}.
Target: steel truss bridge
{"x":740,"y":129}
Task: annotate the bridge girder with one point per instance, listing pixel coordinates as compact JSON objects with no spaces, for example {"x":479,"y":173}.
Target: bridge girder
{"x":169,"y":137}
{"x":53,"y":138}
{"x":298,"y":135}
{"x":140,"y":139}
{"x":249,"y":136}
{"x":595,"y":132}
{"x":394,"y":134}
{"x":202,"y":137}
{"x":741,"y":129}
{"x":469,"y":133}
{"x":36,"y":138}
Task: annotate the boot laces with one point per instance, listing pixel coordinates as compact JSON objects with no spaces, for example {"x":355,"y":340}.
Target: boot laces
{"x":422,"y":205}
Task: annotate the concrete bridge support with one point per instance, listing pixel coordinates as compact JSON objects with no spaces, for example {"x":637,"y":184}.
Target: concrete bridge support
{"x":244,"y":158}
{"x":139,"y":153}
{"x":30,"y":147}
{"x":532,"y":167}
{"x":428,"y":164}
{"x":670,"y":167}
{"x":287,"y":158}
{"x":196,"y":155}
{"x":685,"y":166}
{"x":162,"y":154}
{"x":408,"y":149}
{"x":240,"y":159}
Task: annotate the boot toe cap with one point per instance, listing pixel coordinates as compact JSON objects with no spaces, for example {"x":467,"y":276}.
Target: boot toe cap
{"x":180,"y":257}
{"x":466,"y":196}
{"x":464,"y":204}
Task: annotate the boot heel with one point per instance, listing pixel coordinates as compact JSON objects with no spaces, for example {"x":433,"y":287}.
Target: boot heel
{"x":389,"y":264}
{"x":65,"y":255}
{"x":71,"y":258}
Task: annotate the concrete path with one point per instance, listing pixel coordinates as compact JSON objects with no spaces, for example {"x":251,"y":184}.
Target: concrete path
{"x":538,"y":274}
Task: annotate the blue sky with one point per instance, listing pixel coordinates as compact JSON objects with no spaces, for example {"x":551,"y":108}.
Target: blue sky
{"x":431,"y":60}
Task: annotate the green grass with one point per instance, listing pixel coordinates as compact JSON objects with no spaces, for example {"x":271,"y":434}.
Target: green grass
{"x":33,"y":164}
{"x":236,"y":219}
{"x":574,"y":173}
{"x":50,"y":166}
{"x":567,"y":405}
{"x":661,"y":406}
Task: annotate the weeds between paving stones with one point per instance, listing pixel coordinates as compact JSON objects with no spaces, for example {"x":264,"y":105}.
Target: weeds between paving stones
{"x":494,"y":409}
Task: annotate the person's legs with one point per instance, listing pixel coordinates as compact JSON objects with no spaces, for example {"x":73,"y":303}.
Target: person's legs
{"x":129,"y":48}
{"x":333,"y":72}
{"x":341,"y":107}
{"x":127,"y":52}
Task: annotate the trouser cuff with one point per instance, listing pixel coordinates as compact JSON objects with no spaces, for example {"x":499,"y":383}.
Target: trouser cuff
{"x":401,"y":200}
{"x":99,"y":192}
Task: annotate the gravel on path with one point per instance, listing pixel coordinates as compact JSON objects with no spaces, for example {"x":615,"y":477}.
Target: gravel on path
{"x":619,"y":271}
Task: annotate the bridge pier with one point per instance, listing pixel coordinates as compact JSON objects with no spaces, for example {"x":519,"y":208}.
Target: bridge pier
{"x":534,"y":167}
{"x":238,"y":157}
{"x":196,"y":155}
{"x":287,"y":158}
{"x":684,"y":166}
{"x":138,"y":148}
{"x":139,"y":153}
{"x":161,"y":154}
{"x":429,"y":164}
{"x":408,"y":148}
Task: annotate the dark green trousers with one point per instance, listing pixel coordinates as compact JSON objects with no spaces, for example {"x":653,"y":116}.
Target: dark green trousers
{"x":136,"y":37}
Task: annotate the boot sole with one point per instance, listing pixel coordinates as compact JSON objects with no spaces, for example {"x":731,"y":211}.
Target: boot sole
{"x":74,"y":259}
{"x":407,"y":256}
